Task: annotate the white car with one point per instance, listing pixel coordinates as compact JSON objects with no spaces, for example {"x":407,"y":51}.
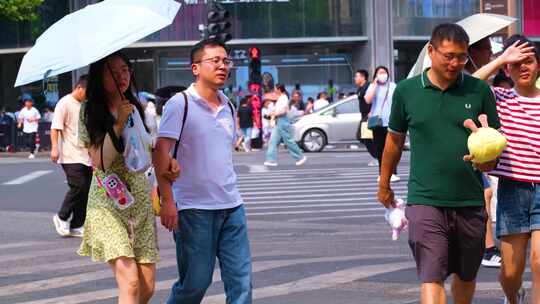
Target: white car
{"x":334,"y":124}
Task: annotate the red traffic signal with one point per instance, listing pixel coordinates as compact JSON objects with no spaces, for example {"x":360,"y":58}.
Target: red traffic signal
{"x":254,"y":53}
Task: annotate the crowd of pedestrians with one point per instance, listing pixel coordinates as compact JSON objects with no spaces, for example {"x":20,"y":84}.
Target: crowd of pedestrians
{"x":449,"y":197}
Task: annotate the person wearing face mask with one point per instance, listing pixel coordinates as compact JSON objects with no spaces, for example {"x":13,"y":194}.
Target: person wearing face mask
{"x":379,"y":95}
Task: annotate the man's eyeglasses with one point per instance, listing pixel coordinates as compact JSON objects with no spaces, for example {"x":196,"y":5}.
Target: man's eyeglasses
{"x":216,"y":61}
{"x":448,"y":57}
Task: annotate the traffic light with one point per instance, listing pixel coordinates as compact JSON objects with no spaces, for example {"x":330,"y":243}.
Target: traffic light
{"x":218,"y":24}
{"x":255,"y":65}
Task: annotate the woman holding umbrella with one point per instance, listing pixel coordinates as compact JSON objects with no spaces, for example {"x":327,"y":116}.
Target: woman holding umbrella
{"x":120,"y":224}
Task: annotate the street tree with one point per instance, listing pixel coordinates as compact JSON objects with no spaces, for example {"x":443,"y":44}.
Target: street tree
{"x":19,"y":10}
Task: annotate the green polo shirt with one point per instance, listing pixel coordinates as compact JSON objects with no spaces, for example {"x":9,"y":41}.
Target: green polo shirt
{"x":434,"y":119}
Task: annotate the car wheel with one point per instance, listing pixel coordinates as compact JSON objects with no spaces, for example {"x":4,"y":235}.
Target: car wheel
{"x":313,"y":140}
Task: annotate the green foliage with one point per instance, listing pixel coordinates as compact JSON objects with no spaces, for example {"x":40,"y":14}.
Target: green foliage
{"x":19,"y":10}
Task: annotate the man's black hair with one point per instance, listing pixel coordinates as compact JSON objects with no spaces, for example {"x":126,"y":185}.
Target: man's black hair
{"x":199,"y":48}
{"x":83,"y":81}
{"x":363,"y":73}
{"x":449,"y":31}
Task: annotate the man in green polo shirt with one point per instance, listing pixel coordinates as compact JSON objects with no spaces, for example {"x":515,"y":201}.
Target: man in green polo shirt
{"x":447,"y":219}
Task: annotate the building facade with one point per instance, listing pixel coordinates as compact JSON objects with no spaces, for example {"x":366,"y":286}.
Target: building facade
{"x":304,"y":42}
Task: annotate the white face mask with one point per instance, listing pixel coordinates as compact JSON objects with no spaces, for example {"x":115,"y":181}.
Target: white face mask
{"x":382,"y":78}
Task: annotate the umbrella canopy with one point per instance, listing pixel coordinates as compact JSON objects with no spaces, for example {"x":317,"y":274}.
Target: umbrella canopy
{"x":91,"y":34}
{"x":477,"y":26}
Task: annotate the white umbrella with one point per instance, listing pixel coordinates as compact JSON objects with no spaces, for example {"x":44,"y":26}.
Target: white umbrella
{"x":477,"y":27}
{"x":92,"y":33}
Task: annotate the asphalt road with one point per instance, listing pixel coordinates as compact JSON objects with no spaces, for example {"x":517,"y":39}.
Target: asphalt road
{"x":317,"y":236}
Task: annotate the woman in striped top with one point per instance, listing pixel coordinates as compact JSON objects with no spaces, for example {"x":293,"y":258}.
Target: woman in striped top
{"x":518,"y":210}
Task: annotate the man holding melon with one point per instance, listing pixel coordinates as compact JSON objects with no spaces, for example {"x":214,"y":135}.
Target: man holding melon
{"x":447,"y":219}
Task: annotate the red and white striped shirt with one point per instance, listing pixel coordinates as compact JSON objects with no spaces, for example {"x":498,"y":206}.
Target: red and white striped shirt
{"x":520,"y":124}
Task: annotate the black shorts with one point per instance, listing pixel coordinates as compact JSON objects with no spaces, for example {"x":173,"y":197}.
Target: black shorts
{"x":446,"y":240}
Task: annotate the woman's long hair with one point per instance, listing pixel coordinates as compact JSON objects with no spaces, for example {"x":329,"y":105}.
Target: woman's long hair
{"x":98,"y":119}
{"x":281,"y":87}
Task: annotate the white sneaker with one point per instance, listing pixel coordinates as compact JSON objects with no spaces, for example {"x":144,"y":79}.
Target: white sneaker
{"x":394,"y":178}
{"x":270,"y":164}
{"x":62,"y":227}
{"x":522,"y":296}
{"x":31,"y":156}
{"x":302,"y":161}
{"x":492,"y":258}
{"x":77,"y":232}
{"x":373,"y":163}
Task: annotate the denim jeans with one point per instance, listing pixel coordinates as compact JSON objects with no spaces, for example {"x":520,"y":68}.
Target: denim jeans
{"x":281,"y":131}
{"x":202,"y":236}
{"x":247,"y":137}
{"x":518,"y":207}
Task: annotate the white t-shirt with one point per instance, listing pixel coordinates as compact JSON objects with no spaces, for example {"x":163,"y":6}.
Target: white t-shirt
{"x":66,"y":119}
{"x":25,"y":115}
{"x":282,"y":104}
{"x":319,"y":104}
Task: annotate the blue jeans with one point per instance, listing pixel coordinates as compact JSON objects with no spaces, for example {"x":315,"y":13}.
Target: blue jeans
{"x":518,"y":207}
{"x":247,"y":137}
{"x":202,"y":236}
{"x":281,"y":131}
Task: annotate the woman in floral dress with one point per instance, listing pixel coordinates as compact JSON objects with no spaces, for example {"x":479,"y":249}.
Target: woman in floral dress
{"x":115,"y":231}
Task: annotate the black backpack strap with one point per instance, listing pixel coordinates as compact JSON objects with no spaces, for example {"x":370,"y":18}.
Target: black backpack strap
{"x":232,"y":111}
{"x":183,"y":124}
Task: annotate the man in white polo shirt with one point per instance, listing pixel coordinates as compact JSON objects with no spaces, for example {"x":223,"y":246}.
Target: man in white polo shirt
{"x":75,"y":161}
{"x":203,"y":207}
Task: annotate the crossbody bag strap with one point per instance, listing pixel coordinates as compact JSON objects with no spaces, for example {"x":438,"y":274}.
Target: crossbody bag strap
{"x":186,"y":105}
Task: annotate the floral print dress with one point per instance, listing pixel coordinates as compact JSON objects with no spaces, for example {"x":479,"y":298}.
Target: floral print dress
{"x":110,"y":232}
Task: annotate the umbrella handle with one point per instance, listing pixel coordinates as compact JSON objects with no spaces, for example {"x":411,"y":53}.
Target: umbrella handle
{"x":115,"y":81}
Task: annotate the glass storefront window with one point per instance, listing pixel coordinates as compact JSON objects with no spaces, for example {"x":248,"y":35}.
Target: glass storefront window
{"x":311,"y":72}
{"x":418,"y":17}
{"x":289,"y":19}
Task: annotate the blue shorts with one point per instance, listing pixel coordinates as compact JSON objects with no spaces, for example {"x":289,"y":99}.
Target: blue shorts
{"x":485,"y":181}
{"x":518,"y":207}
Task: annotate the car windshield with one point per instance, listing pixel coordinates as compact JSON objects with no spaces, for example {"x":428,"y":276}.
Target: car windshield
{"x":341,"y":101}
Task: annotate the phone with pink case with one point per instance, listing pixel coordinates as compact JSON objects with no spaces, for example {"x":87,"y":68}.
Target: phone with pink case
{"x":117,"y":191}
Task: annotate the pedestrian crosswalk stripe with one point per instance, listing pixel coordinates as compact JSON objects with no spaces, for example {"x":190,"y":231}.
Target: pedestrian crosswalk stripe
{"x":319,"y":282}
{"x":248,"y":197}
{"x":28,"y":177}
{"x":22,"y":244}
{"x":31,"y":254}
{"x":340,"y":217}
{"x":249,"y":208}
{"x":318,"y":176}
{"x":166,"y":284}
{"x":312,"y":185}
{"x":311,"y":190}
{"x":314,"y":211}
{"x":265,"y":201}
